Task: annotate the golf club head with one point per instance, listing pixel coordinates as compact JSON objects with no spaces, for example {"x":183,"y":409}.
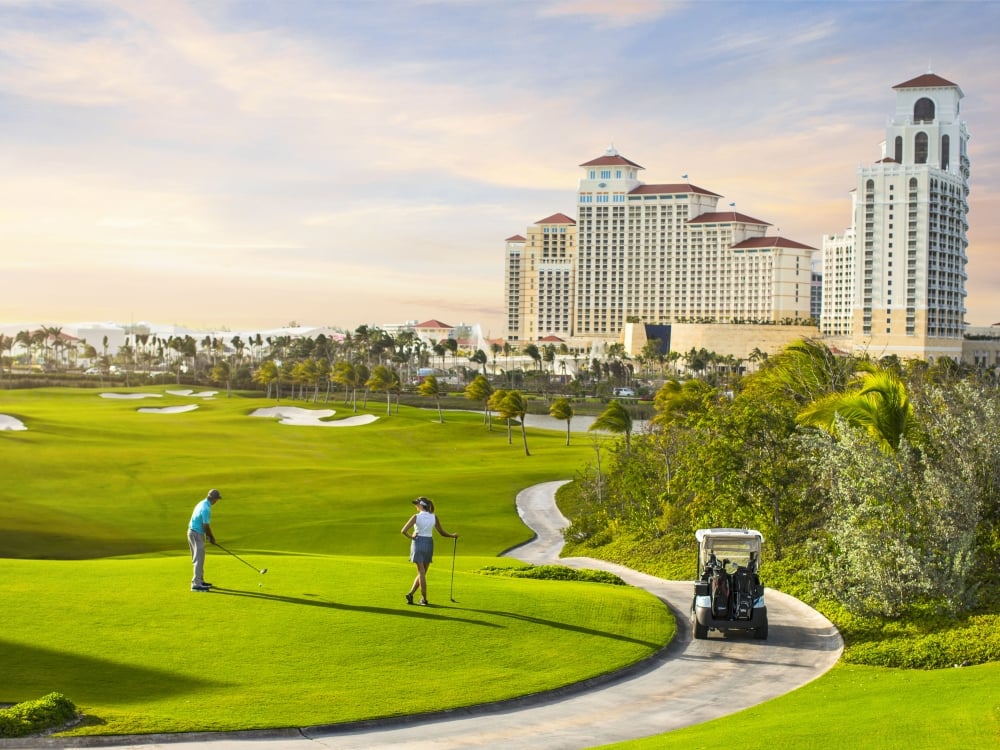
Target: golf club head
{"x":263,"y":571}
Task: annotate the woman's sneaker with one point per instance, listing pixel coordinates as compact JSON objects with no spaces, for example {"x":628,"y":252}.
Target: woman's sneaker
{"x":200,"y":587}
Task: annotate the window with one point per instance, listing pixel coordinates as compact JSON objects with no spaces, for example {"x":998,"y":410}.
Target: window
{"x":923,"y":111}
{"x":920,"y":148}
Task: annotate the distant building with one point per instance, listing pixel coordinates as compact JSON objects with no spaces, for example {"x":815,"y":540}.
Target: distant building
{"x":653,"y":254}
{"x":540,"y":280}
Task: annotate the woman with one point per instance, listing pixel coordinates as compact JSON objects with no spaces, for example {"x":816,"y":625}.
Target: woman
{"x":420,"y":529}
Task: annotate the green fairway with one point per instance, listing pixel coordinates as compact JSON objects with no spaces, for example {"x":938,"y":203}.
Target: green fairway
{"x":95,"y":568}
{"x":862,"y":708}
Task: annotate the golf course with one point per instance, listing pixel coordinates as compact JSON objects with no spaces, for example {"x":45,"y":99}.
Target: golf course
{"x":96,"y":571}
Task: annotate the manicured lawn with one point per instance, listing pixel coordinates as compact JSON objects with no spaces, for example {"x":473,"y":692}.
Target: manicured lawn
{"x":95,"y":567}
{"x":861,"y":708}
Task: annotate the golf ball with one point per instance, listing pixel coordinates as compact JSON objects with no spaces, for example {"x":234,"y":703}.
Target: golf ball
{"x":260,"y":585}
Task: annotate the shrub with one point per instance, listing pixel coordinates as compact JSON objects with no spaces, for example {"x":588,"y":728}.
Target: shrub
{"x":48,"y":712}
{"x":554,"y":573}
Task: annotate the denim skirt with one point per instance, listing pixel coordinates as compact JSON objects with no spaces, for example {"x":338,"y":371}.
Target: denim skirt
{"x":422,"y":549}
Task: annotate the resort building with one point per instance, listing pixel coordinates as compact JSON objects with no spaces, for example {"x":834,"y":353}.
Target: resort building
{"x":654,"y":254}
{"x":894,"y":282}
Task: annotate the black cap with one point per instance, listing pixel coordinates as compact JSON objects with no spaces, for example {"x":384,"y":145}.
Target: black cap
{"x":214,"y":495}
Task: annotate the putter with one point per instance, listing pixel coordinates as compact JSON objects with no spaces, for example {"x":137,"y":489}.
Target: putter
{"x":262,"y":571}
{"x":454,"y":549}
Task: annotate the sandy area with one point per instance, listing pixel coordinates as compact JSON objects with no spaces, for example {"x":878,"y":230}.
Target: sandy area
{"x":311,"y":417}
{"x":203,"y":394}
{"x":9,"y":423}
{"x":167,"y":409}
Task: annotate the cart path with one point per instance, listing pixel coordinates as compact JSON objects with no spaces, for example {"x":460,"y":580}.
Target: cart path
{"x":689,"y":682}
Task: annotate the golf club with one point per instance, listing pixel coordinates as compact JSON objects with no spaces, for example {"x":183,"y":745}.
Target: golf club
{"x":262,"y":571}
{"x":453,"y":551}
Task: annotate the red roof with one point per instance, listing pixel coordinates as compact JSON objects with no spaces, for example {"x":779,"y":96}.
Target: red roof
{"x":717,"y":217}
{"x":557,"y":219}
{"x":551,"y":338}
{"x":432,"y":324}
{"x":670,"y":189}
{"x":887,"y":160}
{"x":516,"y":238}
{"x":772,"y":242}
{"x":927,"y":80}
{"x":607,"y":160}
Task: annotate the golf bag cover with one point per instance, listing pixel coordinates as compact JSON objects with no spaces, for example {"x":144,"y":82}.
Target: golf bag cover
{"x":720,"y":592}
{"x":743,"y":593}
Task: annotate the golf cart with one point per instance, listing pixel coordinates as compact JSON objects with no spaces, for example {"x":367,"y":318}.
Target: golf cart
{"x":728,"y":594}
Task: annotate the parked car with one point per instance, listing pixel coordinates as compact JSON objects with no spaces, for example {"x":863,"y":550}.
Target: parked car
{"x":728,"y":594}
{"x":624,"y":392}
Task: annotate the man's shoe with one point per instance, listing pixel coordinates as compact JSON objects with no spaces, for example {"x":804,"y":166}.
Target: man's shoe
{"x":200,"y":587}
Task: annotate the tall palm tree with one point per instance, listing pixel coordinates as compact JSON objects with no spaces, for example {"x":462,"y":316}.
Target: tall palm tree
{"x":481,"y":390}
{"x":494,"y":403}
{"x":430,"y":387}
{"x":515,"y":406}
{"x":531,"y":350}
{"x":562,"y":409}
{"x":381,"y":379}
{"x":480,"y":358}
{"x":617,"y":419}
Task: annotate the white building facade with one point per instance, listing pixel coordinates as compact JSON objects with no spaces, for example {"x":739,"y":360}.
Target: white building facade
{"x":907,"y":246}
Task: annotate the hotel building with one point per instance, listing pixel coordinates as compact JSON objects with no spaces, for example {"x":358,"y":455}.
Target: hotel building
{"x":894,"y":282}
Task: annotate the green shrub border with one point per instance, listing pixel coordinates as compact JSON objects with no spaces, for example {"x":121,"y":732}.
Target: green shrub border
{"x":48,"y":712}
{"x":553,"y":573}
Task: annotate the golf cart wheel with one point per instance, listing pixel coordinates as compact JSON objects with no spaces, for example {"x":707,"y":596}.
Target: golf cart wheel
{"x":700,"y":631}
{"x":761,"y":633}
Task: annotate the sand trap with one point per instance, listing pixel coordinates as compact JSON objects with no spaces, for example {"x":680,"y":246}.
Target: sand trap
{"x":9,"y":423}
{"x":203,"y":394}
{"x":311,"y":417}
{"x":167,"y":409}
{"x":131,"y":395}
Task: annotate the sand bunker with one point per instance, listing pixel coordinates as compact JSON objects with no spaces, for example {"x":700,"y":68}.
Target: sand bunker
{"x":311,"y":417}
{"x":167,"y":409}
{"x":131,"y":395}
{"x":9,"y":423}
{"x":203,"y":394}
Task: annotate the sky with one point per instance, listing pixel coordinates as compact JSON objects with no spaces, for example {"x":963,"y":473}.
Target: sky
{"x":242,"y":164}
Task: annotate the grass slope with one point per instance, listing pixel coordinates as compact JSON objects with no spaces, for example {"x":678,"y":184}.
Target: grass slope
{"x":862,"y":708}
{"x":95,"y":567}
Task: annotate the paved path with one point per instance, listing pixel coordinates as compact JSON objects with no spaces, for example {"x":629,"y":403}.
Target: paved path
{"x":687,"y":683}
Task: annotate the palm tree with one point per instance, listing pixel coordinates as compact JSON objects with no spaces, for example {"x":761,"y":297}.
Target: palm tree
{"x":536,"y":356}
{"x":382,"y":380}
{"x":266,"y":375}
{"x":494,"y":403}
{"x":431,"y":387}
{"x":480,"y":358}
{"x":481,"y":390}
{"x":880,"y":406}
{"x":561,"y":409}
{"x":515,"y":406}
{"x":615,"y":419}
{"x":495,"y":349}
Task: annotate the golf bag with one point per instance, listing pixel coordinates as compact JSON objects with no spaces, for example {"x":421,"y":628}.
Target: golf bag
{"x":720,"y":588}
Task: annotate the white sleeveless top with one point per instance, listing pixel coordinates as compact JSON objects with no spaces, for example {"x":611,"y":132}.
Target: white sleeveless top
{"x":425,"y":523}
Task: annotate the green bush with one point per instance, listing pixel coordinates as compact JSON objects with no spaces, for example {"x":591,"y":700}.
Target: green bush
{"x":553,"y":573}
{"x":48,"y":712}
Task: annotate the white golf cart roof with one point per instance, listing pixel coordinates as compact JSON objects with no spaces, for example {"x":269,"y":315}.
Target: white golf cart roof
{"x":737,"y":545}
{"x":729,"y":533}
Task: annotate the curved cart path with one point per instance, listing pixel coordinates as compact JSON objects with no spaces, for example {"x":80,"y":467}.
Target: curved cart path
{"x":680,"y":686}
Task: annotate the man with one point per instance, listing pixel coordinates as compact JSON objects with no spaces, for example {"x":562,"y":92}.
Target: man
{"x":199,"y":530}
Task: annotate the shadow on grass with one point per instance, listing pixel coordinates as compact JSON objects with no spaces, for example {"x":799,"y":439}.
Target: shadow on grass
{"x":403,"y":611}
{"x":427,"y":612}
{"x":37,"y":671}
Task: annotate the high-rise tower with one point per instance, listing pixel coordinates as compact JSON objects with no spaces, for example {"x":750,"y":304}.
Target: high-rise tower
{"x":908,"y":255}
